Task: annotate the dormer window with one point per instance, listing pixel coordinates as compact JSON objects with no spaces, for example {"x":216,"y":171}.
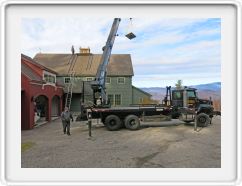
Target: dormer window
{"x":49,"y":77}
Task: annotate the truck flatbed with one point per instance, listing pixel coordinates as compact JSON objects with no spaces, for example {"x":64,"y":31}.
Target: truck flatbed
{"x":132,"y":108}
{"x":115,"y":118}
{"x":123,"y":112}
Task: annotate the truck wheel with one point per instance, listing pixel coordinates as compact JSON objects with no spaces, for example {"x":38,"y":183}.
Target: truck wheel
{"x":132,"y":122}
{"x":203,"y":120}
{"x":113,"y":122}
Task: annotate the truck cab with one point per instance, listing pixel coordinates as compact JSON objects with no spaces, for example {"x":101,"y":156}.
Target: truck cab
{"x":186,"y":106}
{"x":184,"y":97}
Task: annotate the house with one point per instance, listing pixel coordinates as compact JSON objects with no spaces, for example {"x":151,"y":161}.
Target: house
{"x":41,"y":96}
{"x":81,"y":68}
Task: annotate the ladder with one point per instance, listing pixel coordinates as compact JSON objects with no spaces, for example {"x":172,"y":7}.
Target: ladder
{"x":71,"y":75}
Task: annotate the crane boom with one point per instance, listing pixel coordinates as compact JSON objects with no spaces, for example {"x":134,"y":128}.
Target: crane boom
{"x":98,"y":85}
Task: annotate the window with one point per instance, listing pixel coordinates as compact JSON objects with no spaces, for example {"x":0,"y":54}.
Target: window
{"x":108,"y":80}
{"x":114,"y":100}
{"x":191,"y":94}
{"x":67,"y":80}
{"x":117,"y":99}
{"x":49,"y":78}
{"x":121,"y":80}
{"x":177,"y":95}
{"x":89,"y":78}
{"x":141,"y":100}
{"x":110,"y":99}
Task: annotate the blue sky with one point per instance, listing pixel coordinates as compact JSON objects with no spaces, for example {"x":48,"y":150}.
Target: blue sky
{"x":164,"y":50}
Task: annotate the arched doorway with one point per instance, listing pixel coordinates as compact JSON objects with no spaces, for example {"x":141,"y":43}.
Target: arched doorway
{"x":41,"y":109}
{"x":55,"y":106}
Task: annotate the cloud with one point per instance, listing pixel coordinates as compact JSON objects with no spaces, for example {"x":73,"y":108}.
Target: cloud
{"x":57,"y":35}
{"x":185,"y":55}
{"x":182,"y":48}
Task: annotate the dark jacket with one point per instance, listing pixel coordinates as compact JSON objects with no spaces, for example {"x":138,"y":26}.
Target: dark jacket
{"x":66,"y":116}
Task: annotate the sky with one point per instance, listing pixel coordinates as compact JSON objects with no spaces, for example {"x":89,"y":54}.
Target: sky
{"x":164,"y":50}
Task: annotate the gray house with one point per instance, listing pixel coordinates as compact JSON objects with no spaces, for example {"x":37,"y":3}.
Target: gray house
{"x":80,"y":69}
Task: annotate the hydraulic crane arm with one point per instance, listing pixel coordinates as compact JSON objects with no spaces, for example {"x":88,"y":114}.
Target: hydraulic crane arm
{"x":98,"y":85}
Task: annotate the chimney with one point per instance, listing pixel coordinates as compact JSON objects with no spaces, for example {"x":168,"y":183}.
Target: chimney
{"x":85,"y":50}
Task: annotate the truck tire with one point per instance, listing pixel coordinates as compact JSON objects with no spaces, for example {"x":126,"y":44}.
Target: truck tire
{"x":203,"y":120}
{"x":113,"y":122}
{"x":132,"y":122}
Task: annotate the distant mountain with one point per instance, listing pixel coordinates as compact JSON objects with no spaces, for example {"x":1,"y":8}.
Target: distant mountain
{"x":211,"y":86}
{"x":205,"y":91}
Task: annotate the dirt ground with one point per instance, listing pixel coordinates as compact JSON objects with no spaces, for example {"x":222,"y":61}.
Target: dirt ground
{"x":156,"y":145}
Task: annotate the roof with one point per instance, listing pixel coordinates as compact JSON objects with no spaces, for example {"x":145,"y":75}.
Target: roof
{"x":86,"y":64}
{"x":148,"y":94}
{"x":30,"y":60}
{"x":31,"y":74}
{"x":27,"y":71}
{"x":185,"y":88}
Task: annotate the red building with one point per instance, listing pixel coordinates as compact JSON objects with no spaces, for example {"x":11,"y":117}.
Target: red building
{"x":41,"y":96}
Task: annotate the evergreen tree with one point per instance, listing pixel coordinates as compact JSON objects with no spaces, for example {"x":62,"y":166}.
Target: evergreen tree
{"x":179,"y":84}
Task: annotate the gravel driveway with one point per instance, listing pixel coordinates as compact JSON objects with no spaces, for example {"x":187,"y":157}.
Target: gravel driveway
{"x":170,"y":144}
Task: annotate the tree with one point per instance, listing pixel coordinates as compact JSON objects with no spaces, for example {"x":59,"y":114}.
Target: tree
{"x":179,"y":84}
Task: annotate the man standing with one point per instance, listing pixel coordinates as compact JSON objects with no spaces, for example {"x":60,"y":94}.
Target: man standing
{"x":66,"y":118}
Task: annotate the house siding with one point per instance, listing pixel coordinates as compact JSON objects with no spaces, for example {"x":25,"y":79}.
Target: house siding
{"x":31,"y":89}
{"x":138,"y":95}
{"x":113,"y":88}
{"x":125,"y":90}
{"x":75,"y":103}
{"x":129,"y":94}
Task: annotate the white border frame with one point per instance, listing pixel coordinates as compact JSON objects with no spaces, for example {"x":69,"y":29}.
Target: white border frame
{"x":235,"y":3}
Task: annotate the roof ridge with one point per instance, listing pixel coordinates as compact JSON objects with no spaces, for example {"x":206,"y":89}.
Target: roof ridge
{"x":141,"y":90}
